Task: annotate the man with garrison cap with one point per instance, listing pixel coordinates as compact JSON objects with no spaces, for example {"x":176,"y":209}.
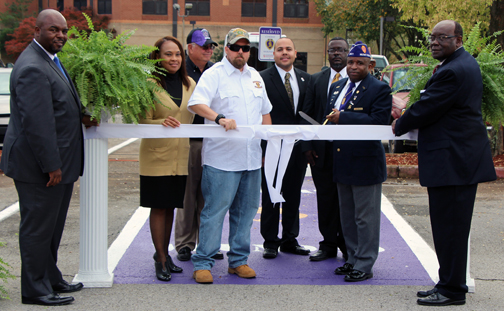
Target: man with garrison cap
{"x":359,"y":167}
{"x":230,"y":94}
{"x":200,"y":47}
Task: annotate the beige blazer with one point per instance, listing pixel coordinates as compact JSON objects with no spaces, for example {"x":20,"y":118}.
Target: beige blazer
{"x":166,"y":156}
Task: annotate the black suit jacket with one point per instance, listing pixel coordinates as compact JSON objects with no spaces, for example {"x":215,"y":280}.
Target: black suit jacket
{"x":453,"y":146}
{"x":282,"y":112}
{"x":314,"y":106}
{"x":361,"y":162}
{"x":45,"y":131}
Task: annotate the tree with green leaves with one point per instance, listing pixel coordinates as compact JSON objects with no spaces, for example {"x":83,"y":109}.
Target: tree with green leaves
{"x":363,"y":17}
{"x":9,"y":20}
{"x":431,"y":12}
{"x":488,"y":53}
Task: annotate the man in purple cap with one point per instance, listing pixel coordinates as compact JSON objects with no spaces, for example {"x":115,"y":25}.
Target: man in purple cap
{"x":359,"y":166}
{"x":200,"y":47}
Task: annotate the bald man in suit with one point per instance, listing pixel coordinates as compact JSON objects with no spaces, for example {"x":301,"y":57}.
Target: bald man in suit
{"x":44,"y":154}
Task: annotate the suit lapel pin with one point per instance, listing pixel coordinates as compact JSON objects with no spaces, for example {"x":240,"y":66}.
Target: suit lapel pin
{"x":355,"y":98}
{"x":357,"y":92}
{"x":338,"y":87}
{"x":336,"y":93}
{"x":302,"y":79}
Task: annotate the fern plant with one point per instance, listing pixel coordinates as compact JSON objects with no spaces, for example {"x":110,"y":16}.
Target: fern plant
{"x":490,"y":58}
{"x":110,"y":76}
{"x":4,"y":275}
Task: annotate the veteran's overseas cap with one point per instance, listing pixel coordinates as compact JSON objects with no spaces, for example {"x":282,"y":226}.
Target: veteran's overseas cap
{"x":359,"y":49}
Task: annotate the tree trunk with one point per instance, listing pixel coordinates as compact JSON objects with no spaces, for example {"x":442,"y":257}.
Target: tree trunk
{"x":497,"y":141}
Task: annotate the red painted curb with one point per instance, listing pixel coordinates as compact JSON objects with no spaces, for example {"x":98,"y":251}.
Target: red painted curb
{"x":411,"y":171}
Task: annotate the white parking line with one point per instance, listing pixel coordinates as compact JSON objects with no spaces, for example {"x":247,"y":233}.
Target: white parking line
{"x":420,"y":248}
{"x":14,"y":208}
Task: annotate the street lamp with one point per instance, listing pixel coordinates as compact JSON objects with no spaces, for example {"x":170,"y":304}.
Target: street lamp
{"x":188,"y":7}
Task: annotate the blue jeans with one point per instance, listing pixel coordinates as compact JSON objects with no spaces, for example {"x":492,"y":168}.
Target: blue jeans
{"x":223,"y":191}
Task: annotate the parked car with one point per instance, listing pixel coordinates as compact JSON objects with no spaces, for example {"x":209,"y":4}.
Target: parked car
{"x":4,"y":101}
{"x":381,"y":61}
{"x":394,"y":75}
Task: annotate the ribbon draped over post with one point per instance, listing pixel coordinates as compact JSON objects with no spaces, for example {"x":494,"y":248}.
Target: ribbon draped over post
{"x":281,"y":139}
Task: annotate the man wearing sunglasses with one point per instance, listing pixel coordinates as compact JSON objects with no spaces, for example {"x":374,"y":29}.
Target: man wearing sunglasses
{"x":453,"y":156}
{"x":286,"y":88}
{"x":200,"y":47}
{"x":230,"y":94}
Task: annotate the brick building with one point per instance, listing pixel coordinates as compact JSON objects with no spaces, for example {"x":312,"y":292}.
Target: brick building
{"x":155,"y":18}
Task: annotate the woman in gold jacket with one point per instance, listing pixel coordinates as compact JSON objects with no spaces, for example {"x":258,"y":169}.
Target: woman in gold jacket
{"x":163,"y":161}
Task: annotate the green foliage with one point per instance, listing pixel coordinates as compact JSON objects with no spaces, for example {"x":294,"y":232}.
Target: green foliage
{"x":490,"y":58}
{"x":218,"y":53}
{"x":111,"y":76}
{"x":4,"y":275}
{"x":363,"y":18}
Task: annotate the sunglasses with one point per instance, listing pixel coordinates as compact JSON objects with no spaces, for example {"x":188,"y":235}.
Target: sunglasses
{"x":236,"y":48}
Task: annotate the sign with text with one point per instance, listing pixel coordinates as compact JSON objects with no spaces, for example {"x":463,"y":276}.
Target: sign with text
{"x":267,"y":38}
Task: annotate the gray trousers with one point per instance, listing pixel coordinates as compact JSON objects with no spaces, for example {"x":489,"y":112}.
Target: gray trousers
{"x":360,"y":210}
{"x":187,"y":221}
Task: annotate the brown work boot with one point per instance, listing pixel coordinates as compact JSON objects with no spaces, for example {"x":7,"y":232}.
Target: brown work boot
{"x":203,"y":276}
{"x":243,"y":271}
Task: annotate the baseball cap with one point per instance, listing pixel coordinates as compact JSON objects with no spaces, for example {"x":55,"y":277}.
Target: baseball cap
{"x":236,"y":34}
{"x":201,"y":37}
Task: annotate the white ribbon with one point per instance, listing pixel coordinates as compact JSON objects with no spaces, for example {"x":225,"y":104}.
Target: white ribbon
{"x":281,"y":139}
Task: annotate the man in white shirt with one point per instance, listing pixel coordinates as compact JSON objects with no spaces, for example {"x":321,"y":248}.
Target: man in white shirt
{"x":230,"y":93}
{"x":286,"y":88}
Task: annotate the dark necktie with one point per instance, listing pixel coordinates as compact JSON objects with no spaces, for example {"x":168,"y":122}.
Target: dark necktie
{"x":347,"y":97}
{"x":435,"y":68}
{"x":288,"y":88}
{"x":58,"y":63}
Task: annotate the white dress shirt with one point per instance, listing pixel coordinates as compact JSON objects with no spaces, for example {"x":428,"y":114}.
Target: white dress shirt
{"x":337,"y":104}
{"x":343,"y":74}
{"x":238,"y":95}
{"x":293,"y":83}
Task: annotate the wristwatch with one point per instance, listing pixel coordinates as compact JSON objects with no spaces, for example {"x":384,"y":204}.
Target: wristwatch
{"x":219,"y":116}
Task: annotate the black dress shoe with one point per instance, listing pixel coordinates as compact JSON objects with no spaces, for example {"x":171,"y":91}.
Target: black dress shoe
{"x":322,"y":255}
{"x":49,"y":300}
{"x":170,"y":265}
{"x":218,"y":256}
{"x":297,"y":250}
{"x":65,"y":287}
{"x":270,"y":253}
{"x":425,"y":293}
{"x":184,"y":254}
{"x":162,"y":274}
{"x":436,"y":299}
{"x":344,"y":270}
{"x":357,"y":276}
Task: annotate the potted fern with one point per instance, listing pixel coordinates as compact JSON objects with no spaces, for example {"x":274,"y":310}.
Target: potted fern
{"x":111,"y":77}
{"x":490,"y":58}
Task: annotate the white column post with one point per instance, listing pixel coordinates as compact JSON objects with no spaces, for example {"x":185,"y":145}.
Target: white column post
{"x":93,"y":266}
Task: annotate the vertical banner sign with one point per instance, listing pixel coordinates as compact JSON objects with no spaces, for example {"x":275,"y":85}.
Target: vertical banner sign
{"x":267,"y":38}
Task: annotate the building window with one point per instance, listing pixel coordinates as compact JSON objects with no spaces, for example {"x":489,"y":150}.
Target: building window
{"x":104,"y":6}
{"x":254,"y":8}
{"x":78,"y":4}
{"x":157,"y":7}
{"x":60,"y":4}
{"x":200,"y":7}
{"x":296,"y":8}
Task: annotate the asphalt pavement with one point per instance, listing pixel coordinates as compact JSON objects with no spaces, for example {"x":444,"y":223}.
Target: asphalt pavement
{"x":408,"y":198}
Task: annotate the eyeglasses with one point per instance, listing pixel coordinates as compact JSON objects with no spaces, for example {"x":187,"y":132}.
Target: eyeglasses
{"x":208,"y":47}
{"x":339,"y":50}
{"x":236,"y":48}
{"x":440,"y":38}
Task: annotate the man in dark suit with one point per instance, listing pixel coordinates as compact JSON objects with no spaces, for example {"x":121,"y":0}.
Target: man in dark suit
{"x":359,"y":166}
{"x":43,"y":153}
{"x":453,"y":156}
{"x":286,"y":88}
{"x":319,"y":153}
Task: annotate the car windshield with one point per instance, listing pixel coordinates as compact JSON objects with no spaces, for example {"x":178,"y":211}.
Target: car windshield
{"x":380,"y":63}
{"x":4,"y":83}
{"x":399,"y":81}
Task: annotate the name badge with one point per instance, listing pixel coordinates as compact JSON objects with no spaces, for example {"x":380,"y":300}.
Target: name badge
{"x":358,"y":108}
